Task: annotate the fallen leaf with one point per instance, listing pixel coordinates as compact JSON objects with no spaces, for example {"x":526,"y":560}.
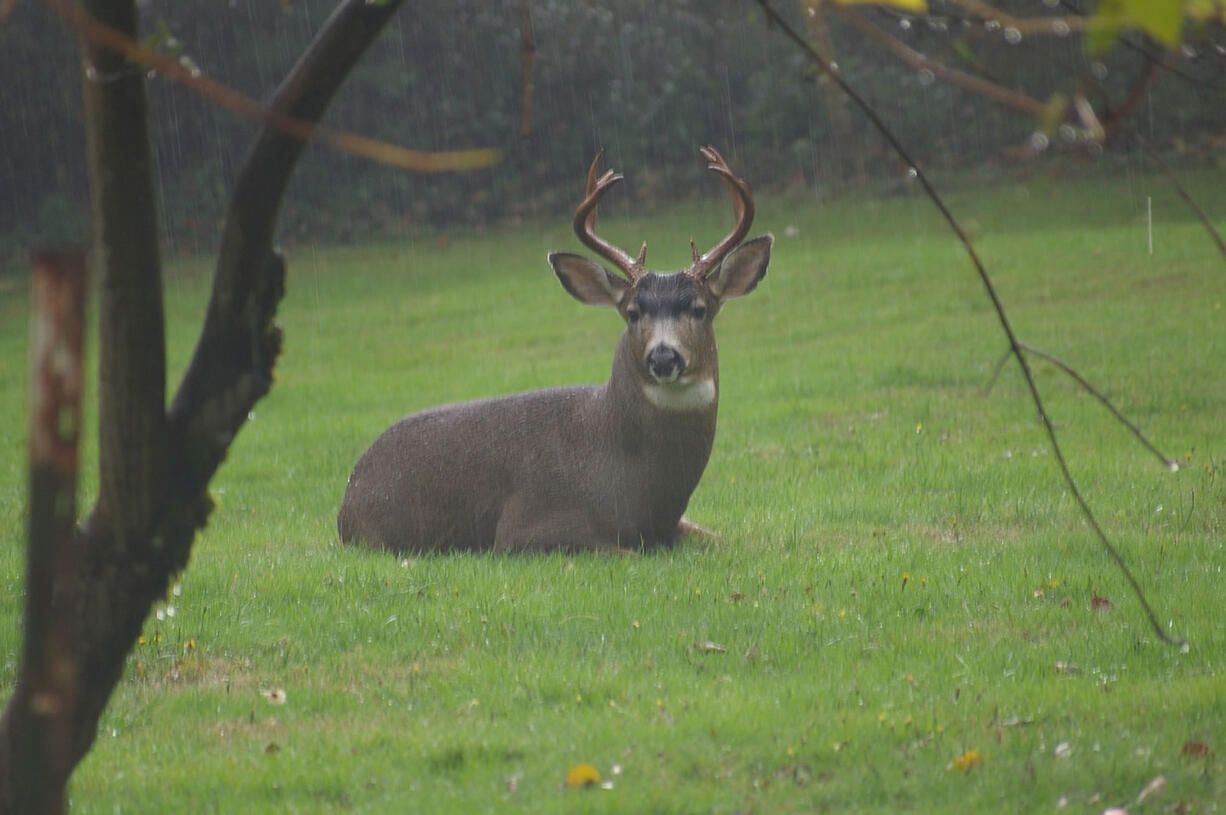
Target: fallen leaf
{"x":1196,"y":749}
{"x":582,"y":775}
{"x":964,"y":762}
{"x":272,"y":748}
{"x":1100,"y":603}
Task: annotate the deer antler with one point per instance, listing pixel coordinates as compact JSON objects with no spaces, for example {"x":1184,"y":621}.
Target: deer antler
{"x":742,"y":206}
{"x":585,"y":224}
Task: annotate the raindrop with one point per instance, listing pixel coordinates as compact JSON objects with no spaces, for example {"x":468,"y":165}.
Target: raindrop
{"x":992,"y":25}
{"x":1068,"y":132}
{"x":1039,"y":140}
{"x":1189,"y":52}
{"x":926,"y":77}
{"x":91,"y":73}
{"x":191,"y":66}
{"x":1012,"y":35}
{"x":834,"y":67}
{"x":904,"y":23}
{"x":812,"y":11}
{"x":1060,"y":27}
{"x":938,"y":24}
{"x":912,"y":173}
{"x":1099,"y":69}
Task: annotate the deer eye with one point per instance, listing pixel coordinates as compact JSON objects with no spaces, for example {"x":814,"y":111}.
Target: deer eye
{"x":699,"y":312}
{"x":632,"y":315}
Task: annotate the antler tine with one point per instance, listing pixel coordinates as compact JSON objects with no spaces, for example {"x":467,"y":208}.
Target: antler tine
{"x":585,"y":223}
{"x":742,"y":207}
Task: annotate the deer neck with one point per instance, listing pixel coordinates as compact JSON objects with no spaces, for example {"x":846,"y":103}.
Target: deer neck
{"x":676,"y":419}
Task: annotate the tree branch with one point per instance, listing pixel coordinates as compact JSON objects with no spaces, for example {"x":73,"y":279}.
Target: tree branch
{"x":918,"y":61}
{"x":1168,"y":462}
{"x":105,"y":36}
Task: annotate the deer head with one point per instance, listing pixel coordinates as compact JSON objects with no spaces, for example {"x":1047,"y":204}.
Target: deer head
{"x":670,"y":336}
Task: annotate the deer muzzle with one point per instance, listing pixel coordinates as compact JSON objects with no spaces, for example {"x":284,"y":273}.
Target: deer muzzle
{"x":665,"y":363}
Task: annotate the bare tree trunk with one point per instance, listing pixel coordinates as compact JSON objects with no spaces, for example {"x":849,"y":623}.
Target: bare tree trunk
{"x":817,"y":27}
{"x":156,"y":464}
{"x":43,"y":701}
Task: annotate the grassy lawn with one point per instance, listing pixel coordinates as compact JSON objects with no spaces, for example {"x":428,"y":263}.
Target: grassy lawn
{"x":903,"y":593}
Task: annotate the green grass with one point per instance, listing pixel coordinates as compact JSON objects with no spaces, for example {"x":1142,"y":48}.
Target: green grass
{"x":901,"y":575}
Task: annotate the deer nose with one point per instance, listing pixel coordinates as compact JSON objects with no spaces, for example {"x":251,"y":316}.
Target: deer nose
{"x":665,"y":363}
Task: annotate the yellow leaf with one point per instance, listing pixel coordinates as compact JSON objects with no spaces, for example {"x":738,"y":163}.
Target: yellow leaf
{"x":582,"y":775}
{"x":1160,"y":19}
{"x":969,"y":759}
{"x":1205,"y":10}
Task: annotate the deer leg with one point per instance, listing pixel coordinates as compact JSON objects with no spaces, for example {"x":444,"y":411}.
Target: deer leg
{"x":528,"y":527}
{"x":688,"y":527}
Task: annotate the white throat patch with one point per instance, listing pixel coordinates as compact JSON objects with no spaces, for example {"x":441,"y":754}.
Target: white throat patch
{"x":681,"y":395}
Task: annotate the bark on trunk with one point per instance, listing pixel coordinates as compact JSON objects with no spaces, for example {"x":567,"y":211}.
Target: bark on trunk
{"x":42,"y":707}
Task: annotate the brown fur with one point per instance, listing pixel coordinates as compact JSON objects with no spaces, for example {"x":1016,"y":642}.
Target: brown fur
{"x":566,"y":468}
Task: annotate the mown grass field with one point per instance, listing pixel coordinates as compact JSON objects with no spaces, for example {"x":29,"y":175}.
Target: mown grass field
{"x":903,"y":592}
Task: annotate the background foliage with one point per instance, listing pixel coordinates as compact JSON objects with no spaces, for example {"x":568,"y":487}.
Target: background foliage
{"x":648,"y":81}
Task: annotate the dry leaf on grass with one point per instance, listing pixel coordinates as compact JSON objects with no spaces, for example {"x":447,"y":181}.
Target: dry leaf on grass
{"x":582,"y":775}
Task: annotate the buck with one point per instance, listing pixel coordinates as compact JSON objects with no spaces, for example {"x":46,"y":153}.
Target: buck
{"x":608,"y":467}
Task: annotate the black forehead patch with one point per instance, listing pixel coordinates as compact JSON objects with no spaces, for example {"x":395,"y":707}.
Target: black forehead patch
{"x":665,"y":294}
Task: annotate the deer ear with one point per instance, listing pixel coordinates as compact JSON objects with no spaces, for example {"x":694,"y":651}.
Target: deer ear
{"x":587,"y":281}
{"x":742,"y":269}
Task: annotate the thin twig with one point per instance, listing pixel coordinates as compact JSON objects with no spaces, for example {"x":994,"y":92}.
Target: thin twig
{"x":1000,"y":366}
{"x":1015,"y":346}
{"x":1170,"y":463}
{"x":223,"y":96}
{"x":527,"y":49}
{"x":1140,"y":90}
{"x":1033,"y":26}
{"x":920,"y":62}
{"x":1156,"y":157}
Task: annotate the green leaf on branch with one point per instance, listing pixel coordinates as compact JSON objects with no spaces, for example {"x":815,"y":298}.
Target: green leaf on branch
{"x":1206,"y":10}
{"x":1161,"y":20}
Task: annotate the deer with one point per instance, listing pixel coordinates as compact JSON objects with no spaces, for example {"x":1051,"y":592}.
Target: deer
{"x":602,"y":467}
